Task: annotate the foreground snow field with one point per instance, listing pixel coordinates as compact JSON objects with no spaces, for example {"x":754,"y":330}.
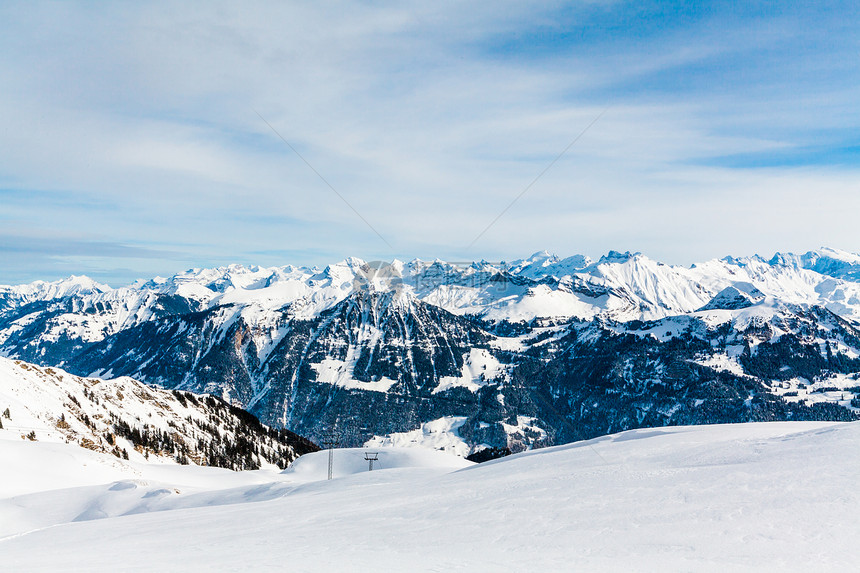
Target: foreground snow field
{"x":774,"y":496}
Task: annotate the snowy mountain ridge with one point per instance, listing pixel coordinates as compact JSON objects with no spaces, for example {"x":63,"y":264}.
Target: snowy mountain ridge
{"x":622,"y":286}
{"x":538,"y":351}
{"x":133,"y":421}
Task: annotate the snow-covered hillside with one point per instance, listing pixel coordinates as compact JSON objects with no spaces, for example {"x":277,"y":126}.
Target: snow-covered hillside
{"x":744,"y":497}
{"x":136,"y":422}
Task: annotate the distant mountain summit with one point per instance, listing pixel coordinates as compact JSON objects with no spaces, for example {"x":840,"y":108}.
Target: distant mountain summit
{"x":735,"y":297}
{"x":535,"y":351}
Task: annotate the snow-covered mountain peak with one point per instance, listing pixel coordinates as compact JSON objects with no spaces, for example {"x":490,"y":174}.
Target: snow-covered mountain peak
{"x":378,"y":276}
{"x":734,"y":297}
{"x":539,"y":258}
{"x":810,"y":258}
{"x":340,"y":272}
{"x":544,"y":264}
{"x":728,"y":259}
{"x":618,"y":257}
{"x":353,"y":262}
{"x":839,"y":254}
{"x":71,"y":286}
{"x":833,"y":262}
{"x":827,"y":261}
{"x":148,"y":284}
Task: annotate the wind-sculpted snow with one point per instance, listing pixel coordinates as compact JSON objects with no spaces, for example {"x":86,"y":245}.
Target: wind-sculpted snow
{"x":577,"y":347}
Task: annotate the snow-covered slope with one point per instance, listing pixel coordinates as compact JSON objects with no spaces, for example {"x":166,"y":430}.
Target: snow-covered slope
{"x":745,"y":497}
{"x":133,"y":421}
{"x":54,"y":483}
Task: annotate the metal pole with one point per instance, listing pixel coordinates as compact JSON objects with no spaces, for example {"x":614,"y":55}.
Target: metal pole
{"x":371,"y":457}
{"x":330,"y":442}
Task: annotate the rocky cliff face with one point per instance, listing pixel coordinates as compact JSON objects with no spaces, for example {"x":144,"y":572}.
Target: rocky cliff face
{"x":538,"y":351}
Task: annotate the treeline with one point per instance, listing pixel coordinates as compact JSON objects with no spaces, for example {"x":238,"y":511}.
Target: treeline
{"x":228,"y":437}
{"x":243,"y":422}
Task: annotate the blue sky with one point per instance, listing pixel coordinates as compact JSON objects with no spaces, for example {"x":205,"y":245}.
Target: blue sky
{"x":130,"y":143}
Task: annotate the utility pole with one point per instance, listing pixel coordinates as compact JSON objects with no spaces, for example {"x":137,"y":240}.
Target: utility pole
{"x":330,"y":442}
{"x":371,"y":457}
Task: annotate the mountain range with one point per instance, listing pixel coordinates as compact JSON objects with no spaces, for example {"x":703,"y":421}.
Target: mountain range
{"x":538,"y":351}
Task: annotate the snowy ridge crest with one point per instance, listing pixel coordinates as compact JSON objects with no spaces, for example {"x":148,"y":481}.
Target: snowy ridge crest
{"x":621,"y":286}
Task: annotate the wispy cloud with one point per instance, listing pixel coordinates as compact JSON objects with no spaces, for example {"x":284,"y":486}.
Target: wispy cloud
{"x":70,"y":247}
{"x":50,"y":257}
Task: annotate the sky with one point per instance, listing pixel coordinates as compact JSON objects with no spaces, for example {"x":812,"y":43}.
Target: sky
{"x":142,"y":139}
